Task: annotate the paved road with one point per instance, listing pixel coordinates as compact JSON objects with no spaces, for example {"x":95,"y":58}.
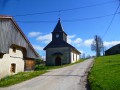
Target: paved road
{"x":68,"y":78}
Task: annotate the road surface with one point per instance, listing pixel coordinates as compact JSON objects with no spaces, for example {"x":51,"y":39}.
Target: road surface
{"x":68,"y":78}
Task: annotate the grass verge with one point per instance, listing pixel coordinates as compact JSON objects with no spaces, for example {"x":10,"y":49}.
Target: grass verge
{"x":105,"y":74}
{"x":23,"y":76}
{"x":20,"y":77}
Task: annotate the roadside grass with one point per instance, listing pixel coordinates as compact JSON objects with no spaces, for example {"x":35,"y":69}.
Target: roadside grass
{"x":23,"y":76}
{"x":105,"y":74}
{"x":20,"y":77}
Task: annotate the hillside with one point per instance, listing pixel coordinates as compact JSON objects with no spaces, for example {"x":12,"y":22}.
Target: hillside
{"x":105,"y":74}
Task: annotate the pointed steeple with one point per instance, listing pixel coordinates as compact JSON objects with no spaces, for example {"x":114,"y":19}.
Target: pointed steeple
{"x":58,"y":27}
{"x":58,"y":33}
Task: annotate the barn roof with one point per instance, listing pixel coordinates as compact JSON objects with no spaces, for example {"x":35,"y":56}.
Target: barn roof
{"x":19,"y":29}
{"x":118,"y":45}
{"x":113,"y":50}
{"x":5,"y":16}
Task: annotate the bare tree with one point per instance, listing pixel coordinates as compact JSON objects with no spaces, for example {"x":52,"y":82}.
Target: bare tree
{"x":83,"y":55}
{"x":97,"y":45}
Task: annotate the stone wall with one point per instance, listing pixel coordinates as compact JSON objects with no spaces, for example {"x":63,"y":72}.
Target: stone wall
{"x":11,"y":58}
{"x":65,"y":58}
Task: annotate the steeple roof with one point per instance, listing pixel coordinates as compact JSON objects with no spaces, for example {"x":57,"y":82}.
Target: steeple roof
{"x":58,"y":27}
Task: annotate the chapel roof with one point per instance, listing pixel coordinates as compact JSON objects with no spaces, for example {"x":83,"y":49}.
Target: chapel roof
{"x":58,"y":27}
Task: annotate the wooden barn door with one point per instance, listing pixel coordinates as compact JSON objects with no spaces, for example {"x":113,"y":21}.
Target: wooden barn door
{"x":58,"y":61}
{"x":29,"y":65}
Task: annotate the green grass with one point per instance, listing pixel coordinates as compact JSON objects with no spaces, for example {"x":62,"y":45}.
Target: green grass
{"x":20,"y":77}
{"x":105,"y":74}
{"x":23,"y":76}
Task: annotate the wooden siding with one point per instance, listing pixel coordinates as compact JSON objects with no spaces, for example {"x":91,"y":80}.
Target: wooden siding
{"x":29,"y":65}
{"x":10,"y":34}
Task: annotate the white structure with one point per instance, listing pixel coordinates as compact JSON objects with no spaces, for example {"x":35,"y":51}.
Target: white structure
{"x":16,"y":52}
{"x":74,"y":57}
{"x":12,"y":62}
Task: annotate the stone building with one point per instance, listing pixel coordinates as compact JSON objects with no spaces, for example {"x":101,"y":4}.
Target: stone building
{"x":58,"y":51}
{"x":113,"y":50}
{"x":16,"y":52}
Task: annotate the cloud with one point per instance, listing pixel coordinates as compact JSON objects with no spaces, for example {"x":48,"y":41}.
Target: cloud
{"x":71,"y":36}
{"x":37,"y":47}
{"x":81,"y":51}
{"x":78,"y":40}
{"x":88,"y":42}
{"x":71,"y":39}
{"x":45,"y":38}
{"x":34,"y":34}
{"x":43,"y":57}
{"x":112,"y":43}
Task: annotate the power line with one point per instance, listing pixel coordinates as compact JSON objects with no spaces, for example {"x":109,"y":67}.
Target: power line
{"x":73,"y":20}
{"x":91,"y":18}
{"x":111,"y":20}
{"x":64,"y":10}
{"x":36,"y":21}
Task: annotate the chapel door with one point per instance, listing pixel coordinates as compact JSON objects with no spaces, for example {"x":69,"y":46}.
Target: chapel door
{"x":58,"y":61}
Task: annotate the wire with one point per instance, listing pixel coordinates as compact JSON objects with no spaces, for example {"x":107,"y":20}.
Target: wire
{"x":91,"y":18}
{"x":64,"y":10}
{"x":36,"y":21}
{"x":111,"y":21}
{"x":73,"y":20}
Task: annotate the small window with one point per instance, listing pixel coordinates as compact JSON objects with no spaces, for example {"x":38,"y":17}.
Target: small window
{"x":1,"y":55}
{"x":14,"y":49}
{"x":73,"y":56}
{"x":12,"y":68}
{"x":76,"y":56}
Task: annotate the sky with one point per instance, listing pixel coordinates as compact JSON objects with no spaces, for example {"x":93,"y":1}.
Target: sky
{"x":81,"y":20}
